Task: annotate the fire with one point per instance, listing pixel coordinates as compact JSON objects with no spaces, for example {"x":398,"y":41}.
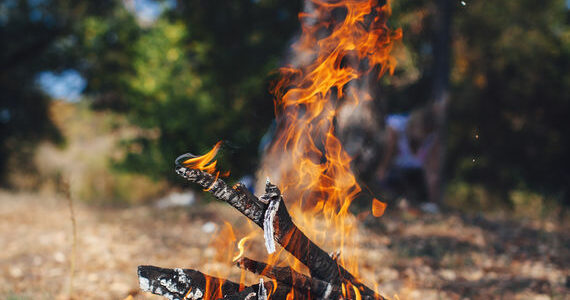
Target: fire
{"x":241,"y":245}
{"x":341,"y":42}
{"x":378,"y":207}
{"x":224,"y":239}
{"x":204,"y":162}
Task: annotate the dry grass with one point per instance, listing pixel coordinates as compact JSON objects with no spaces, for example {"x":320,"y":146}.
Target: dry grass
{"x":413,"y":256}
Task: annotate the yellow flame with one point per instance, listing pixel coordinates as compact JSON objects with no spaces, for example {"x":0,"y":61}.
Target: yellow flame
{"x":204,"y":162}
{"x":356,"y":293}
{"x":306,"y":159}
{"x":241,"y":245}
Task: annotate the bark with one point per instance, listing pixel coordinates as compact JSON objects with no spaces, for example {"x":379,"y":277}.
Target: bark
{"x":286,"y":233}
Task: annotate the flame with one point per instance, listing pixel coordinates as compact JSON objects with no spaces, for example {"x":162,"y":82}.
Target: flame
{"x":356,"y":293}
{"x":224,"y":239}
{"x":290,"y":295}
{"x":205,"y":162}
{"x":378,"y":207}
{"x":241,"y":245}
{"x":341,"y":42}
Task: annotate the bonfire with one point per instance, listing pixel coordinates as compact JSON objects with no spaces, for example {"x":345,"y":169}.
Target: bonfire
{"x":310,"y":184}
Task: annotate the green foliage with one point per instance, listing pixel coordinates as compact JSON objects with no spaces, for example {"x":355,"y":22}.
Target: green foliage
{"x":199,"y":75}
{"x":511,"y":87}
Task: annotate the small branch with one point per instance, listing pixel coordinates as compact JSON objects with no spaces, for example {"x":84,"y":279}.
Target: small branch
{"x":287,"y":234}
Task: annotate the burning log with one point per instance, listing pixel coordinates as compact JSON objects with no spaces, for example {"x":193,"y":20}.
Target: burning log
{"x":329,"y":279}
{"x":186,"y":284}
{"x":269,"y":290}
{"x":288,"y":276}
{"x":183,"y":283}
{"x":285,"y":232}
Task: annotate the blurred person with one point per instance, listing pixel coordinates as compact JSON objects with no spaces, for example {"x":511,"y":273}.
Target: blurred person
{"x":398,"y":154}
{"x":412,"y":156}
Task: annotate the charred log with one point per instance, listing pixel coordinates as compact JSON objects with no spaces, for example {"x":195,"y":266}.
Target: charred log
{"x":183,"y":283}
{"x":186,"y":284}
{"x":299,"y":281}
{"x":270,"y":290}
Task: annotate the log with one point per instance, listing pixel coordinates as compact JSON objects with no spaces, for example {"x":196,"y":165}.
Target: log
{"x":290,"y":277}
{"x":286,"y":233}
{"x":273,"y":291}
{"x":184,"y":283}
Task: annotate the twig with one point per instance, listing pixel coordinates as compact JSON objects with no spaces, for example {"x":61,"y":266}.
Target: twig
{"x":67,"y":192}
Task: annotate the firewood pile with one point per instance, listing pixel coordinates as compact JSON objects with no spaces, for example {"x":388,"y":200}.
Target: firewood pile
{"x":327,"y":280}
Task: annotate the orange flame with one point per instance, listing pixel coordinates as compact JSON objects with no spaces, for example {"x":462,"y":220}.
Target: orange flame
{"x":205,"y":162}
{"x":343,"y":41}
{"x":378,"y":207}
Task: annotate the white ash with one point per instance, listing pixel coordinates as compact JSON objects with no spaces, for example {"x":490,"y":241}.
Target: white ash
{"x":327,"y":291}
{"x":265,"y":198}
{"x":144,"y":284}
{"x":158,"y":291}
{"x":268,"y":230}
{"x":250,"y":296}
{"x":181,"y":276}
{"x":335,"y":255}
{"x":198,"y":294}
{"x":194,"y":295}
{"x":170,"y":285}
{"x":262,"y":292}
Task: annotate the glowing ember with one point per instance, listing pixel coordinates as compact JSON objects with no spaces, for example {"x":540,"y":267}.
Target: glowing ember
{"x":378,"y":207}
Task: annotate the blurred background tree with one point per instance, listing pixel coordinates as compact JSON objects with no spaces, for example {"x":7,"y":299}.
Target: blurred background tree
{"x":194,"y":72}
{"x":201,"y":75}
{"x":36,"y":36}
{"x":509,"y":88}
{"x":511,"y":94}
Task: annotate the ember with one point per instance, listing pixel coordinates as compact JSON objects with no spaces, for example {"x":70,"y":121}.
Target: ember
{"x":307,"y":161}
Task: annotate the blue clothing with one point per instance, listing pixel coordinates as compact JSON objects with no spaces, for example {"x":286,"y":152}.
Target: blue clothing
{"x":406,"y":158}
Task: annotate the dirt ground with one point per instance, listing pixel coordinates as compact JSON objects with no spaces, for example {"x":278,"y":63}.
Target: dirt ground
{"x":409,"y":255}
